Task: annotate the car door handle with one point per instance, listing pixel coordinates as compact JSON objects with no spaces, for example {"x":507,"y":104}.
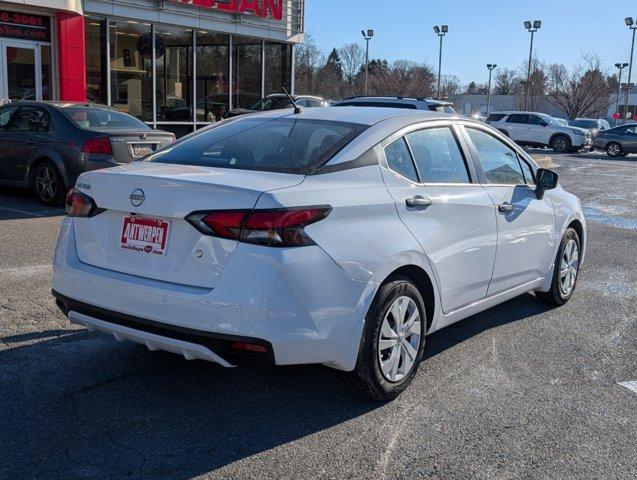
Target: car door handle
{"x":418,"y":202}
{"x":506,"y":208}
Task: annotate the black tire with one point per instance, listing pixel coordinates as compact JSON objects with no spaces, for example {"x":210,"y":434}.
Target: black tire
{"x":560,"y":143}
{"x":614,"y":149}
{"x":556,"y":295}
{"x":368,"y":376}
{"x":46,"y":174}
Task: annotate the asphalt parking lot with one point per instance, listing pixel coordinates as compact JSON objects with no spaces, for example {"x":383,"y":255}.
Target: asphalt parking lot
{"x":519,"y":391}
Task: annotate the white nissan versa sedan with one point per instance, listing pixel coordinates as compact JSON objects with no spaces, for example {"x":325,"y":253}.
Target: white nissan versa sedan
{"x":339,"y":236}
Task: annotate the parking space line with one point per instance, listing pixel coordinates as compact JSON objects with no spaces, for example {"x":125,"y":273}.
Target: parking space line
{"x":630,"y":385}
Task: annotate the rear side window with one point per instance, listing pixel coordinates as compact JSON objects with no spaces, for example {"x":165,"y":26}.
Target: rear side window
{"x":5,"y":116}
{"x":499,"y":162}
{"x":517,"y":118}
{"x":286,"y":145}
{"x":30,"y":119}
{"x":399,"y":159}
{"x":495,"y":117}
{"x":438,"y":156}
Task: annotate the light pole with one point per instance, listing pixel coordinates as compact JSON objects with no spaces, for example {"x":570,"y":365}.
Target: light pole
{"x":367,"y":36}
{"x":490,"y":66}
{"x":441,"y":31}
{"x":620,"y":67}
{"x":532,"y":28}
{"x":630,"y":23}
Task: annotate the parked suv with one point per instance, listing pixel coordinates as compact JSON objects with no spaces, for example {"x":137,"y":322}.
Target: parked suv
{"x":398,"y":102}
{"x":540,"y":130}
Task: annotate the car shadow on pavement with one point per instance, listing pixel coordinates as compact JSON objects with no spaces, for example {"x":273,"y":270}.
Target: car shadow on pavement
{"x":519,"y":308}
{"x":17,"y":204}
{"x":83,"y":405}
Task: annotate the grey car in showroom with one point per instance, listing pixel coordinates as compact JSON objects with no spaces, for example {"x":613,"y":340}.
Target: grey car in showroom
{"x":45,"y":146}
{"x":618,"y":141}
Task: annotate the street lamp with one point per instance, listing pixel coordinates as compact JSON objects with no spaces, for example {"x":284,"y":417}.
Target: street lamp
{"x":367,"y":36}
{"x":620,"y":67}
{"x":490,"y":66}
{"x":630,"y":23}
{"x":441,"y":31}
{"x":531,"y":28}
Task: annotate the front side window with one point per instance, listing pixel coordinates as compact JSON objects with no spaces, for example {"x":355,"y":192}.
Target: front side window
{"x":285,"y":145}
{"x":399,"y":159}
{"x":30,"y":119}
{"x":437,"y":156}
{"x":499,"y":162}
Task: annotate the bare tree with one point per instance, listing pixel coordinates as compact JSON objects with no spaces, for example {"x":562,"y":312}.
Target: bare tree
{"x":476,"y":89}
{"x":581,"y":92}
{"x":506,"y":82}
{"x":308,"y":60}
{"x":449,"y":86}
{"x":352,"y":59}
{"x":537,"y":86}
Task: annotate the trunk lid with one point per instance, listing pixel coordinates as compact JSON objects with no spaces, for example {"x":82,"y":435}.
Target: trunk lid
{"x":132,"y":145}
{"x":161,"y":196}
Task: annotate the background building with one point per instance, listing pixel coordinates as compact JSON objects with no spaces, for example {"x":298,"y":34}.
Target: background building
{"x":178,"y":64}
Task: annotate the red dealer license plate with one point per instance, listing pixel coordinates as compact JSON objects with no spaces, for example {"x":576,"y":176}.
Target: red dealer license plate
{"x":145,"y":235}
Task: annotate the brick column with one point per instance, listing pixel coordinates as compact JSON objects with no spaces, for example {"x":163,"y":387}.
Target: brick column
{"x":72,"y":57}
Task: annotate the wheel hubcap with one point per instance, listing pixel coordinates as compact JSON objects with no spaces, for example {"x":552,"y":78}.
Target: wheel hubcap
{"x":613,"y":149}
{"x":569,"y":267}
{"x":45,"y":183}
{"x":399,"y":339}
{"x":559,"y":144}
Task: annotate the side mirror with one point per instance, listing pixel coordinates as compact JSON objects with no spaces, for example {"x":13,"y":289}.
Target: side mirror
{"x":546,"y":180}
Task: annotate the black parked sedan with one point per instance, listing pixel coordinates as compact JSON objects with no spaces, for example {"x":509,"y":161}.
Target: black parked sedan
{"x":618,"y":141}
{"x":46,"y":145}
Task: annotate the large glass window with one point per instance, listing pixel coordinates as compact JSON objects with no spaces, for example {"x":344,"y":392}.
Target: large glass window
{"x":45,"y":61}
{"x":278,"y":67}
{"x":131,"y":68}
{"x":213,"y":65}
{"x":173,"y":66}
{"x":438,"y":156}
{"x":95,"y":33}
{"x":246,"y":59}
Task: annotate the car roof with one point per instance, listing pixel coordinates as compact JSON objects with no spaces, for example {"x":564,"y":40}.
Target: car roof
{"x":60,"y":104}
{"x":397,"y":99}
{"x":360,"y":115}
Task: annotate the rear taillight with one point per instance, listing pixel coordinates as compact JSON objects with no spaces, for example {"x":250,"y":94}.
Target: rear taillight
{"x":98,"y":145}
{"x":273,"y":228}
{"x":79,"y":204}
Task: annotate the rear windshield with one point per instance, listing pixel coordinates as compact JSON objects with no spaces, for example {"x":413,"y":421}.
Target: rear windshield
{"x":495,"y":117}
{"x":409,"y":106}
{"x":287,"y":145}
{"x":92,"y":118}
{"x":584,"y":123}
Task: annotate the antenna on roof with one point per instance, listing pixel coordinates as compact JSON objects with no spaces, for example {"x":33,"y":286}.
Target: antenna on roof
{"x":297,"y":109}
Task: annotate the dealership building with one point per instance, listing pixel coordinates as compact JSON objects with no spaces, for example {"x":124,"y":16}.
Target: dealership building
{"x":175,"y":64}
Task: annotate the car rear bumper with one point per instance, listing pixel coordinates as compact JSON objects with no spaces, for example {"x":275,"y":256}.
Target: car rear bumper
{"x":297,"y":302}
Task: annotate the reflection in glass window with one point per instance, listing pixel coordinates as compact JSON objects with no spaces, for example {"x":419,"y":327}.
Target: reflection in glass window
{"x":131,"y":68}
{"x":499,"y":162}
{"x":438,"y":156}
{"x":213,"y":64}
{"x":399,"y":159}
{"x":95,"y":35}
{"x":278,"y":67}
{"x":173,"y":67}
{"x":246,"y":60}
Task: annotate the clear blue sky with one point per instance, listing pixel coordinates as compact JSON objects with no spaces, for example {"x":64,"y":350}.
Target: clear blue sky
{"x":480,"y":31}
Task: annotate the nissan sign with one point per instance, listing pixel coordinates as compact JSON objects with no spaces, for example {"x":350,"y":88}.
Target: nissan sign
{"x":261,"y":8}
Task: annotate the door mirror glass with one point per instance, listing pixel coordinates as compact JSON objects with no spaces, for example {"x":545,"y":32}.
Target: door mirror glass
{"x":546,"y":180}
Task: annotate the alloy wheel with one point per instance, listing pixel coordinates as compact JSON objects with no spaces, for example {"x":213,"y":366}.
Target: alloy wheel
{"x":614,"y":150}
{"x":399,"y":339}
{"x":46,"y":184}
{"x":569,"y":267}
{"x":560,"y":144}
